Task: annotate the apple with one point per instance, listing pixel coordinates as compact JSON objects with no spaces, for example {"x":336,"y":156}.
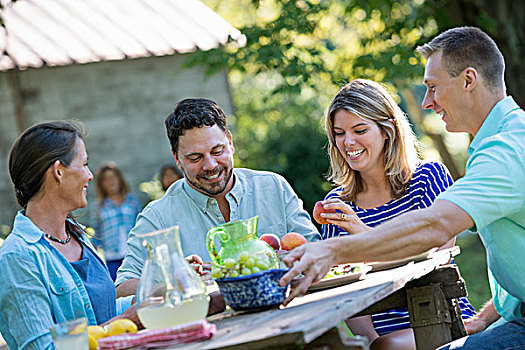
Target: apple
{"x":318,"y":209}
{"x":292,"y":240}
{"x":272,"y":240}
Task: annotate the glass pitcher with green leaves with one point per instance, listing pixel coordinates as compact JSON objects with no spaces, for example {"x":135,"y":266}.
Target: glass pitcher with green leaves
{"x":236,"y":237}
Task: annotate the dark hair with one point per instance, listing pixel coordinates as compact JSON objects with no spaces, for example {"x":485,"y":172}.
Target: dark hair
{"x":164,"y":169}
{"x":469,"y":47}
{"x":101,"y":191}
{"x":193,"y":113}
{"x":36,"y":150}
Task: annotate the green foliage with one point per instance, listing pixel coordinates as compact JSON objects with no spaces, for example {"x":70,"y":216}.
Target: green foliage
{"x":297,"y":55}
{"x":293,"y":146}
{"x":5,"y":230}
{"x":152,"y":188}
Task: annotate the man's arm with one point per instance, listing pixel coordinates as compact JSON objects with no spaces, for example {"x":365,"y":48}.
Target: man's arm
{"x":407,"y":235}
{"x":297,"y":218}
{"x":128,"y":287}
{"x":486,"y":316}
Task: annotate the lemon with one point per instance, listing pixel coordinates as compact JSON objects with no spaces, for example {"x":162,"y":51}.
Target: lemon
{"x":96,"y":332}
{"x":81,"y":328}
{"x":93,"y":343}
{"x":121,"y":326}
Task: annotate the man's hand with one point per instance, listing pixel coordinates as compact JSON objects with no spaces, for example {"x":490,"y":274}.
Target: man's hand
{"x":198,"y":265}
{"x":486,"y":316}
{"x":475,"y":325}
{"x":314,"y":260}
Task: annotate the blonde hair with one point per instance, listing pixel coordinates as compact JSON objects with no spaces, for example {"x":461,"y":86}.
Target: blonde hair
{"x":370,"y":100}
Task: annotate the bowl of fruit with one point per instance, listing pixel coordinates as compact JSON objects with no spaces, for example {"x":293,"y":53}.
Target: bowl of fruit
{"x":250,"y":284}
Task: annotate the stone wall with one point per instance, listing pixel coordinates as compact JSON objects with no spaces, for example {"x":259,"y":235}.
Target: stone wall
{"x":123,"y":105}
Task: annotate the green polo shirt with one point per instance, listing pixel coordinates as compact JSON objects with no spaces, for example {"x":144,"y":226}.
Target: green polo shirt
{"x":492,"y":192}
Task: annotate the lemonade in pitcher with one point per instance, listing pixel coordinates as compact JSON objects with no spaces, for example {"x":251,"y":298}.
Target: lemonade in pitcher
{"x":169,"y":292}
{"x":162,"y":316}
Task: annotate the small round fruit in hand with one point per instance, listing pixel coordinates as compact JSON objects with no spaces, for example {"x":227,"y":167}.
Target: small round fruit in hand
{"x":292,"y":240}
{"x":318,"y":209}
{"x":272,"y":240}
{"x":196,"y":262}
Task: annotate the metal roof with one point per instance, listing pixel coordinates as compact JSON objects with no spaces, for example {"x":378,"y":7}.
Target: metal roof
{"x":63,"y":32}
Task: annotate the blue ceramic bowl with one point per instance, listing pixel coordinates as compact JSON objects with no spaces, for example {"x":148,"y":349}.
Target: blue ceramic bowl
{"x":260,"y":290}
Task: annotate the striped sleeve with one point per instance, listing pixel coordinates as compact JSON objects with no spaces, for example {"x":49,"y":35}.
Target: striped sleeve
{"x":436,"y":179}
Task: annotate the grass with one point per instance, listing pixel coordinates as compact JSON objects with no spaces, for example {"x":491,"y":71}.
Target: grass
{"x":473,"y":268}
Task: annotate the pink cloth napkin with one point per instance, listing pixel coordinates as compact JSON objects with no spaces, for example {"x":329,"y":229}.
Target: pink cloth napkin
{"x":158,"y":338}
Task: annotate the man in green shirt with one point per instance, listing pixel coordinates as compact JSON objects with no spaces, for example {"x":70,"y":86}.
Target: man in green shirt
{"x":465,"y":85}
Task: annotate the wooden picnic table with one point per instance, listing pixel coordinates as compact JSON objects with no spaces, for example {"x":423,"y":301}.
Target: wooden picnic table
{"x":313,"y":321}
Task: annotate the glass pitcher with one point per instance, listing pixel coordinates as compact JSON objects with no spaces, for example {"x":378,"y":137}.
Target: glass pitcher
{"x":169,"y":292}
{"x":236,"y":237}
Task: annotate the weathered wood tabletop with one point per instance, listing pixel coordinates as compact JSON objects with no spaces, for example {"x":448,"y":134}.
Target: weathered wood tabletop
{"x":307,"y":319}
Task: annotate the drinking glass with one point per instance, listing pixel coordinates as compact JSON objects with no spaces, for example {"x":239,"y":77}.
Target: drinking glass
{"x":70,"y":335}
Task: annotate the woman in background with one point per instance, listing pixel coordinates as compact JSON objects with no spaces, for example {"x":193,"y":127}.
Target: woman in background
{"x":168,"y":175}
{"x":374,"y":163}
{"x":114,"y":215}
{"x":50,"y":271}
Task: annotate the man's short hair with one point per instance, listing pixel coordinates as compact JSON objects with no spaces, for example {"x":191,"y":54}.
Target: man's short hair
{"x":193,"y":113}
{"x":464,"y":47}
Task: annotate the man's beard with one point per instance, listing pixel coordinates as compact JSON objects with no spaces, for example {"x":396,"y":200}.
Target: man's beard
{"x":212,"y":189}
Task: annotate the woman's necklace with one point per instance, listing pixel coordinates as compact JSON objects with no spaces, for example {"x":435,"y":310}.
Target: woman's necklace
{"x":58,"y":240}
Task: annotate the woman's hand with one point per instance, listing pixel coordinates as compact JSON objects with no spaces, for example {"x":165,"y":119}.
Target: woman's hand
{"x":345,"y":218}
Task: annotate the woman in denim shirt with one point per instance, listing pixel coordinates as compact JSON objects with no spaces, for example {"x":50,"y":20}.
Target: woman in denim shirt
{"x":50,"y":271}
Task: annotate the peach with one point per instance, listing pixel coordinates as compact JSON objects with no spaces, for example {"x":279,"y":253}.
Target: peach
{"x":318,"y":209}
{"x":292,"y":240}
{"x":272,"y":240}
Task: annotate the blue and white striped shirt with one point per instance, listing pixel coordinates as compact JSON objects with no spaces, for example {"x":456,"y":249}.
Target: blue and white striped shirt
{"x":428,"y":181}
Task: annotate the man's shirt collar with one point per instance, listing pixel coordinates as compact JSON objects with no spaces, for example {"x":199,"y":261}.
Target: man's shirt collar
{"x":493,"y":122}
{"x":202,"y":201}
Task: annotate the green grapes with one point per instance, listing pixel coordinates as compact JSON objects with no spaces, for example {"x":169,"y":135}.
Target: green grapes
{"x":244,"y":264}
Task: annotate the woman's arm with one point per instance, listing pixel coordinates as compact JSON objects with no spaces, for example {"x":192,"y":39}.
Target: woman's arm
{"x":24,"y":303}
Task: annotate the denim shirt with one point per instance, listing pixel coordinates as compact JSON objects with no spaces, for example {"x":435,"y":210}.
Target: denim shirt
{"x":254,"y":193}
{"x":39,"y":288}
{"x":492,"y":192}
